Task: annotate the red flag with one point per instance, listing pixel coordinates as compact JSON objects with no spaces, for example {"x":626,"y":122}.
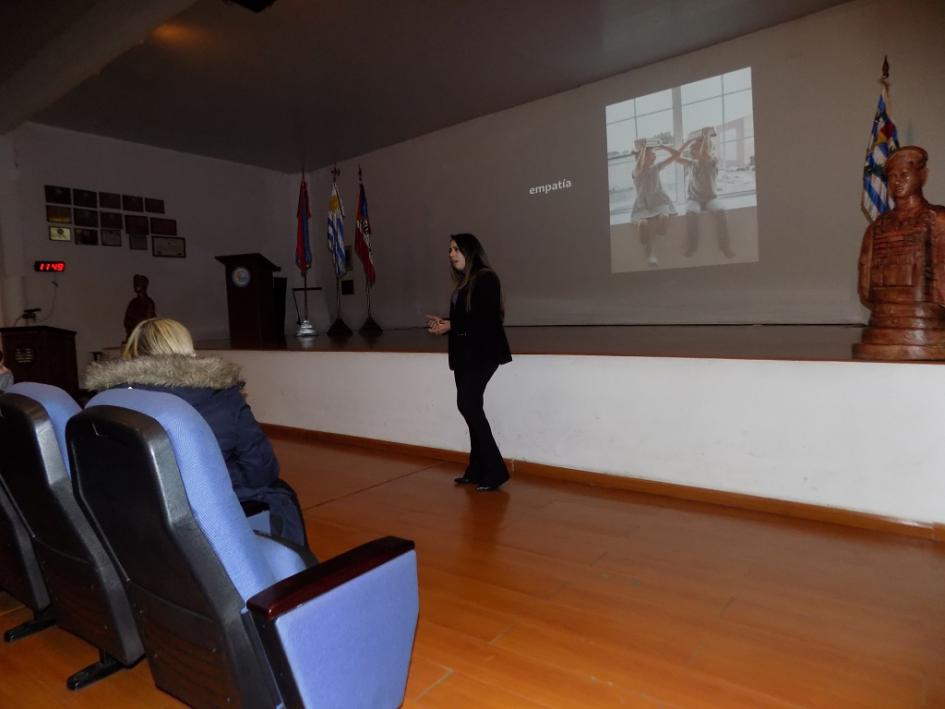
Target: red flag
{"x":303,"y":252}
{"x":362,"y":238}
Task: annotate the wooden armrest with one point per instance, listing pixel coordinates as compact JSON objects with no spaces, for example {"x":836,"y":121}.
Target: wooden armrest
{"x":317,"y":580}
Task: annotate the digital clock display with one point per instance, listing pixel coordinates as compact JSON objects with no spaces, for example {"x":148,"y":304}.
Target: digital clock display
{"x":54,"y":266}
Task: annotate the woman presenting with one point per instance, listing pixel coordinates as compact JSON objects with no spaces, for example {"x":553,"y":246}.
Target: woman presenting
{"x":477,"y":346}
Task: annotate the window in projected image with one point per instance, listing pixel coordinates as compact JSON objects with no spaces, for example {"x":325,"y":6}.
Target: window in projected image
{"x":681,"y":173}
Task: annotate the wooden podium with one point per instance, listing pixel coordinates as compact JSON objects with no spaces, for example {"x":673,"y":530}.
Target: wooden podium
{"x":252,"y":301}
{"x":38,"y":353}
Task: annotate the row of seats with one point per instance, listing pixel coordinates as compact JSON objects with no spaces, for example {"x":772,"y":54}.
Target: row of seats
{"x":118,"y":523}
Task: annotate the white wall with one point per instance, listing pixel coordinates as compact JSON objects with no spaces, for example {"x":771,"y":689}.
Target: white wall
{"x":859,"y":436}
{"x":815,"y":91}
{"x":220,"y":208}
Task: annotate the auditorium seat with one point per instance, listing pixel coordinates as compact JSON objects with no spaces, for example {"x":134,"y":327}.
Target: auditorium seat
{"x":20,"y":575}
{"x":229,"y":616}
{"x":87,"y":595}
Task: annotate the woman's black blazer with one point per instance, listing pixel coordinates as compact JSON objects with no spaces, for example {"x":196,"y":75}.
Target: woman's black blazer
{"x":476,"y":336}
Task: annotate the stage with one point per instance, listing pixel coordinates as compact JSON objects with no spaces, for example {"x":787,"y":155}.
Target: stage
{"x":779,"y":413}
{"x":777,"y":342}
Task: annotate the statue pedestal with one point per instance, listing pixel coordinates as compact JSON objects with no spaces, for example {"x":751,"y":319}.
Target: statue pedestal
{"x":903,"y":331}
{"x":898,"y":352}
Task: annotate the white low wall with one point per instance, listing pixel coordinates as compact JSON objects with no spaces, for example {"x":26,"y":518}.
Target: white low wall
{"x":860,"y":436}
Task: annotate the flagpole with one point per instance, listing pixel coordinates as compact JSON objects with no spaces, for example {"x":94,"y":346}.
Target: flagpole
{"x":305,"y":272}
{"x":305,"y":291}
{"x":305,"y":329}
{"x":339,"y":328}
{"x":305,"y":275}
{"x":370,"y":328}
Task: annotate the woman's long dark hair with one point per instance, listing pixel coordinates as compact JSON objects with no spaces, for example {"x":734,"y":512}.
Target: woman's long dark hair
{"x":476,"y":261}
{"x":475,"y":256}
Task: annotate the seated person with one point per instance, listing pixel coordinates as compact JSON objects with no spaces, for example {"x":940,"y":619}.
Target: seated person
{"x":159,"y":356}
{"x":6,"y":376}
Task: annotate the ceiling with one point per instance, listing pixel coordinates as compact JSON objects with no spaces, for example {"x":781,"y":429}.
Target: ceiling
{"x":307,"y":82}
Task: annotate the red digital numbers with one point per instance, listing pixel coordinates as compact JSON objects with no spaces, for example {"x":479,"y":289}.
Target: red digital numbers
{"x":54,"y":266}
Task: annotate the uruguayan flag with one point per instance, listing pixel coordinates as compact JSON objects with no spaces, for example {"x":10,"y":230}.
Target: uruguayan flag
{"x":883,"y":141}
{"x":336,"y":230}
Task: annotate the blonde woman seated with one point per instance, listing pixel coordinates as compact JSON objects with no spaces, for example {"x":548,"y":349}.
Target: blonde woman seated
{"x":159,"y":356}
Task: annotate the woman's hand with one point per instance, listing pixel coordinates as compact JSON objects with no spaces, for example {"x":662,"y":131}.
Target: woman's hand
{"x":437,"y":325}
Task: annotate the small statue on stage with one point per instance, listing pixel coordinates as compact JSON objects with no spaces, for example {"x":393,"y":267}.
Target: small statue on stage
{"x":141,"y":307}
{"x":902,"y":269}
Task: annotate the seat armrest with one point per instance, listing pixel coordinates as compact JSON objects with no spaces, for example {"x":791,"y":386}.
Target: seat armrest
{"x":282,"y":597}
{"x":341,"y":633}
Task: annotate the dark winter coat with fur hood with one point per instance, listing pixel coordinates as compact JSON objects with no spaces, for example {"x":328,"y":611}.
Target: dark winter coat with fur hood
{"x":213,"y":387}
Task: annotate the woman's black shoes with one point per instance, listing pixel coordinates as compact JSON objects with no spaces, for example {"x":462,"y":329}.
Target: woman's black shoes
{"x":480,"y":486}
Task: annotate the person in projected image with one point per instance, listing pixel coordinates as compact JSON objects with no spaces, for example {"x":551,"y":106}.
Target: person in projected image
{"x":652,"y":207}
{"x":702,"y":169}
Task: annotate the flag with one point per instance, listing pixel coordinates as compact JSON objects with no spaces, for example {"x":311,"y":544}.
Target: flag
{"x":336,"y":230}
{"x":303,"y":251}
{"x":362,"y":238}
{"x":883,"y":141}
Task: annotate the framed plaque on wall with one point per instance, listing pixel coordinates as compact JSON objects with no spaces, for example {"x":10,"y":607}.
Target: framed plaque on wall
{"x":111,"y":237}
{"x":86,"y":237}
{"x":60,"y":233}
{"x":168,"y":246}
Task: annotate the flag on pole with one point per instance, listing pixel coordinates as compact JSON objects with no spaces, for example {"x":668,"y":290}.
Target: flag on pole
{"x":883,"y":141}
{"x":362,"y":238}
{"x":336,"y":230}
{"x":303,"y":251}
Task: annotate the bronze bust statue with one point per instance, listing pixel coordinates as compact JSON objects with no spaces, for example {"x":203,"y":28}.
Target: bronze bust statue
{"x":141,"y":307}
{"x":902,"y":269}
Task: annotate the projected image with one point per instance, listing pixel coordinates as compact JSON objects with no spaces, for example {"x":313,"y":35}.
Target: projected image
{"x":681,"y":172}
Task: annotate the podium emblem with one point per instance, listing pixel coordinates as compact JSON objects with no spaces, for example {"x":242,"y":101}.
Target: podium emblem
{"x":240,"y":277}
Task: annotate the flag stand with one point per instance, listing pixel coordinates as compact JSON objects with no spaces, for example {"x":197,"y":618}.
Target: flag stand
{"x":338,"y":328}
{"x":370,"y":326}
{"x":306,"y":329}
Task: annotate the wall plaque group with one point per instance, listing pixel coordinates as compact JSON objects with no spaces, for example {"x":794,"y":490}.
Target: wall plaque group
{"x":89,"y":218}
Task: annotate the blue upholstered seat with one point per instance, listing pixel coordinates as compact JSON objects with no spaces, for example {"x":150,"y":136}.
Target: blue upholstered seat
{"x":88,"y":598}
{"x":264,"y":627}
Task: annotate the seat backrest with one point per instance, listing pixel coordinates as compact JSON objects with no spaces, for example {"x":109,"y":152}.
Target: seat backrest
{"x":149,"y":472}
{"x":83,"y":582}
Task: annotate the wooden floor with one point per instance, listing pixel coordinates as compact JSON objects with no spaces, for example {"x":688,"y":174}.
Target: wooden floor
{"x":550,"y":594}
